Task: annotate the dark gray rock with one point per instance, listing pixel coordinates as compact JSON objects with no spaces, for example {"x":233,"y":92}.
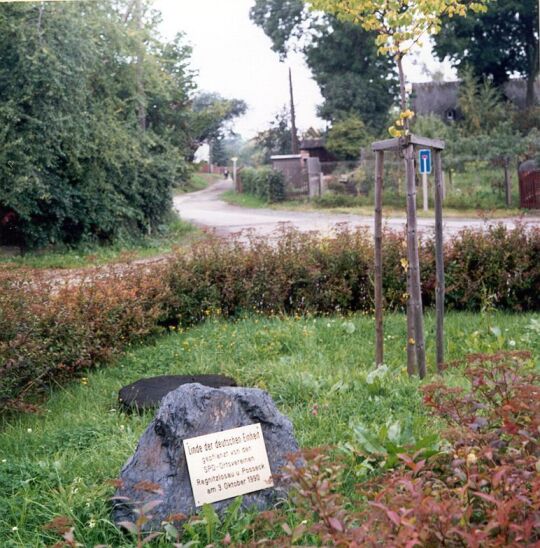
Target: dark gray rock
{"x":148,"y":393}
{"x":195,"y":410}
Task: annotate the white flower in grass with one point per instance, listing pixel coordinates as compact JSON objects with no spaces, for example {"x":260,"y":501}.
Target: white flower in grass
{"x":29,"y":430}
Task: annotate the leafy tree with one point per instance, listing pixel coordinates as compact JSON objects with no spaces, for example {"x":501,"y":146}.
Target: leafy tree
{"x":341,"y":56}
{"x":218,"y":154}
{"x":211,"y":118}
{"x":347,"y":136}
{"x":497,"y":43}
{"x":276,"y":139}
{"x":430,"y":126}
{"x":480,"y":105}
{"x":399,"y":25}
{"x":74,"y":163}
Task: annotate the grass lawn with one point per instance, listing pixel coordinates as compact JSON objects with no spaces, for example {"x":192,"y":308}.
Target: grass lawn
{"x":198,"y":181}
{"x":247,"y":200}
{"x":58,"y":463}
{"x":173,"y":234}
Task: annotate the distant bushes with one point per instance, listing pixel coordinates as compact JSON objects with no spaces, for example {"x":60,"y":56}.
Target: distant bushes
{"x":264,"y":183}
{"x":51,"y":332}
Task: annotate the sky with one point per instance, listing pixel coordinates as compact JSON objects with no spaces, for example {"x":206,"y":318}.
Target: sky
{"x":234,"y":58}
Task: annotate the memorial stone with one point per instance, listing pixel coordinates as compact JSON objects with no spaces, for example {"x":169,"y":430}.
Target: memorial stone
{"x":186,"y":414}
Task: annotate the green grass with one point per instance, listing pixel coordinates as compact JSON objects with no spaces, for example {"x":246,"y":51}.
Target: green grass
{"x":57,"y":463}
{"x":247,"y":200}
{"x":198,"y":181}
{"x":475,"y":192}
{"x":244,"y":200}
{"x":172,"y":234}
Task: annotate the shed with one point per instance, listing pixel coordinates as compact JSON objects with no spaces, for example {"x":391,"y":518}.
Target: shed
{"x":316,"y":148}
{"x":529,"y":185}
{"x":294,"y":170}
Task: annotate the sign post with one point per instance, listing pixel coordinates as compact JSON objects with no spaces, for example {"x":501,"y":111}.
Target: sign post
{"x":424,"y":161}
{"x":234,"y":160}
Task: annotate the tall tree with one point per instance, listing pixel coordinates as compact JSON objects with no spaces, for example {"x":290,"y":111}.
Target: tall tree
{"x":497,"y":43}
{"x":218,"y":153}
{"x":341,"y":56}
{"x":212,"y":116}
{"x":276,"y":139}
{"x":73,"y":162}
{"x":399,"y":25}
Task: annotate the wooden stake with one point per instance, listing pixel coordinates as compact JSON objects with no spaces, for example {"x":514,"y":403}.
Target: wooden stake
{"x":411,"y":340}
{"x":379,"y":333}
{"x":414,"y":263}
{"x":439,"y":260}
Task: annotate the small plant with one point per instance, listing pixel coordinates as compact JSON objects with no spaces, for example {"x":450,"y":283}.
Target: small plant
{"x":141,"y":510}
{"x":264,"y":183}
{"x":385,"y":445}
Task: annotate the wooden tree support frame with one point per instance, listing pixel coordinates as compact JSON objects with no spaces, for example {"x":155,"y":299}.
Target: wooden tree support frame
{"x":416,"y":360}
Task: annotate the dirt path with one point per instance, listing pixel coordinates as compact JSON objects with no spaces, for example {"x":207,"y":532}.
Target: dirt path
{"x":206,"y":209}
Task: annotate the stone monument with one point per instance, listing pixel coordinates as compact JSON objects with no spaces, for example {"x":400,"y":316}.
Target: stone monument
{"x":234,"y":441}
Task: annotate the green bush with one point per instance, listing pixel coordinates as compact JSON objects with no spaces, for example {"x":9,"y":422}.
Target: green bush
{"x":74,"y":163}
{"x":264,"y":183}
{"x":51,"y":333}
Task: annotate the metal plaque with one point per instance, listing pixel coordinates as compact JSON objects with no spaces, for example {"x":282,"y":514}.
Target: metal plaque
{"x":227,"y":464}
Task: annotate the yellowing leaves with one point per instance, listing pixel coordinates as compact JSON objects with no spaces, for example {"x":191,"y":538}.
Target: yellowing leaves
{"x":406,"y":114}
{"x":395,"y":132}
{"x":399,"y":23}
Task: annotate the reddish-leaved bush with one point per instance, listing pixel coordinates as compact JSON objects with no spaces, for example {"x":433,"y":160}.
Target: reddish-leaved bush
{"x":50,"y":332}
{"x":483,"y":490}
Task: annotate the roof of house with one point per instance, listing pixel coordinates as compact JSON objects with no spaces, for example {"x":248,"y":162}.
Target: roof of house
{"x":307,"y":144}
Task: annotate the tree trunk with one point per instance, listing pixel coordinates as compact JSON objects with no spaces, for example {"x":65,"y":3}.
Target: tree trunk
{"x":379,"y":333}
{"x":507,"y":186}
{"x":141,"y":98}
{"x":415,"y":291}
{"x":414,"y":263}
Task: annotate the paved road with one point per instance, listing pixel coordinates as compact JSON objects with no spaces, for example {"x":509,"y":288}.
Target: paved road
{"x":206,"y":209}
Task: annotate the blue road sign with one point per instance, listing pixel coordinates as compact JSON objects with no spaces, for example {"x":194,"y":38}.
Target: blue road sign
{"x":424,"y":160}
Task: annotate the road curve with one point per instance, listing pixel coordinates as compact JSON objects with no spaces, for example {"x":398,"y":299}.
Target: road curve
{"x":205,"y":209}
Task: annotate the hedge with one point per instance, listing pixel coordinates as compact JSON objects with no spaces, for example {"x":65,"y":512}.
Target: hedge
{"x":52,"y":333}
{"x":264,"y":183}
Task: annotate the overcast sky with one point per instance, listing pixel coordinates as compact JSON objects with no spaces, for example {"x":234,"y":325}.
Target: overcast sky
{"x":234,"y":58}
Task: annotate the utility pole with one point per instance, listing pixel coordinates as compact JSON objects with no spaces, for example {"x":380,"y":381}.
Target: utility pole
{"x":294,"y":135}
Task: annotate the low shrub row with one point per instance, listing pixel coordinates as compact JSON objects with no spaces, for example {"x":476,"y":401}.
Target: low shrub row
{"x":49,"y":332}
{"x":264,"y":183}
